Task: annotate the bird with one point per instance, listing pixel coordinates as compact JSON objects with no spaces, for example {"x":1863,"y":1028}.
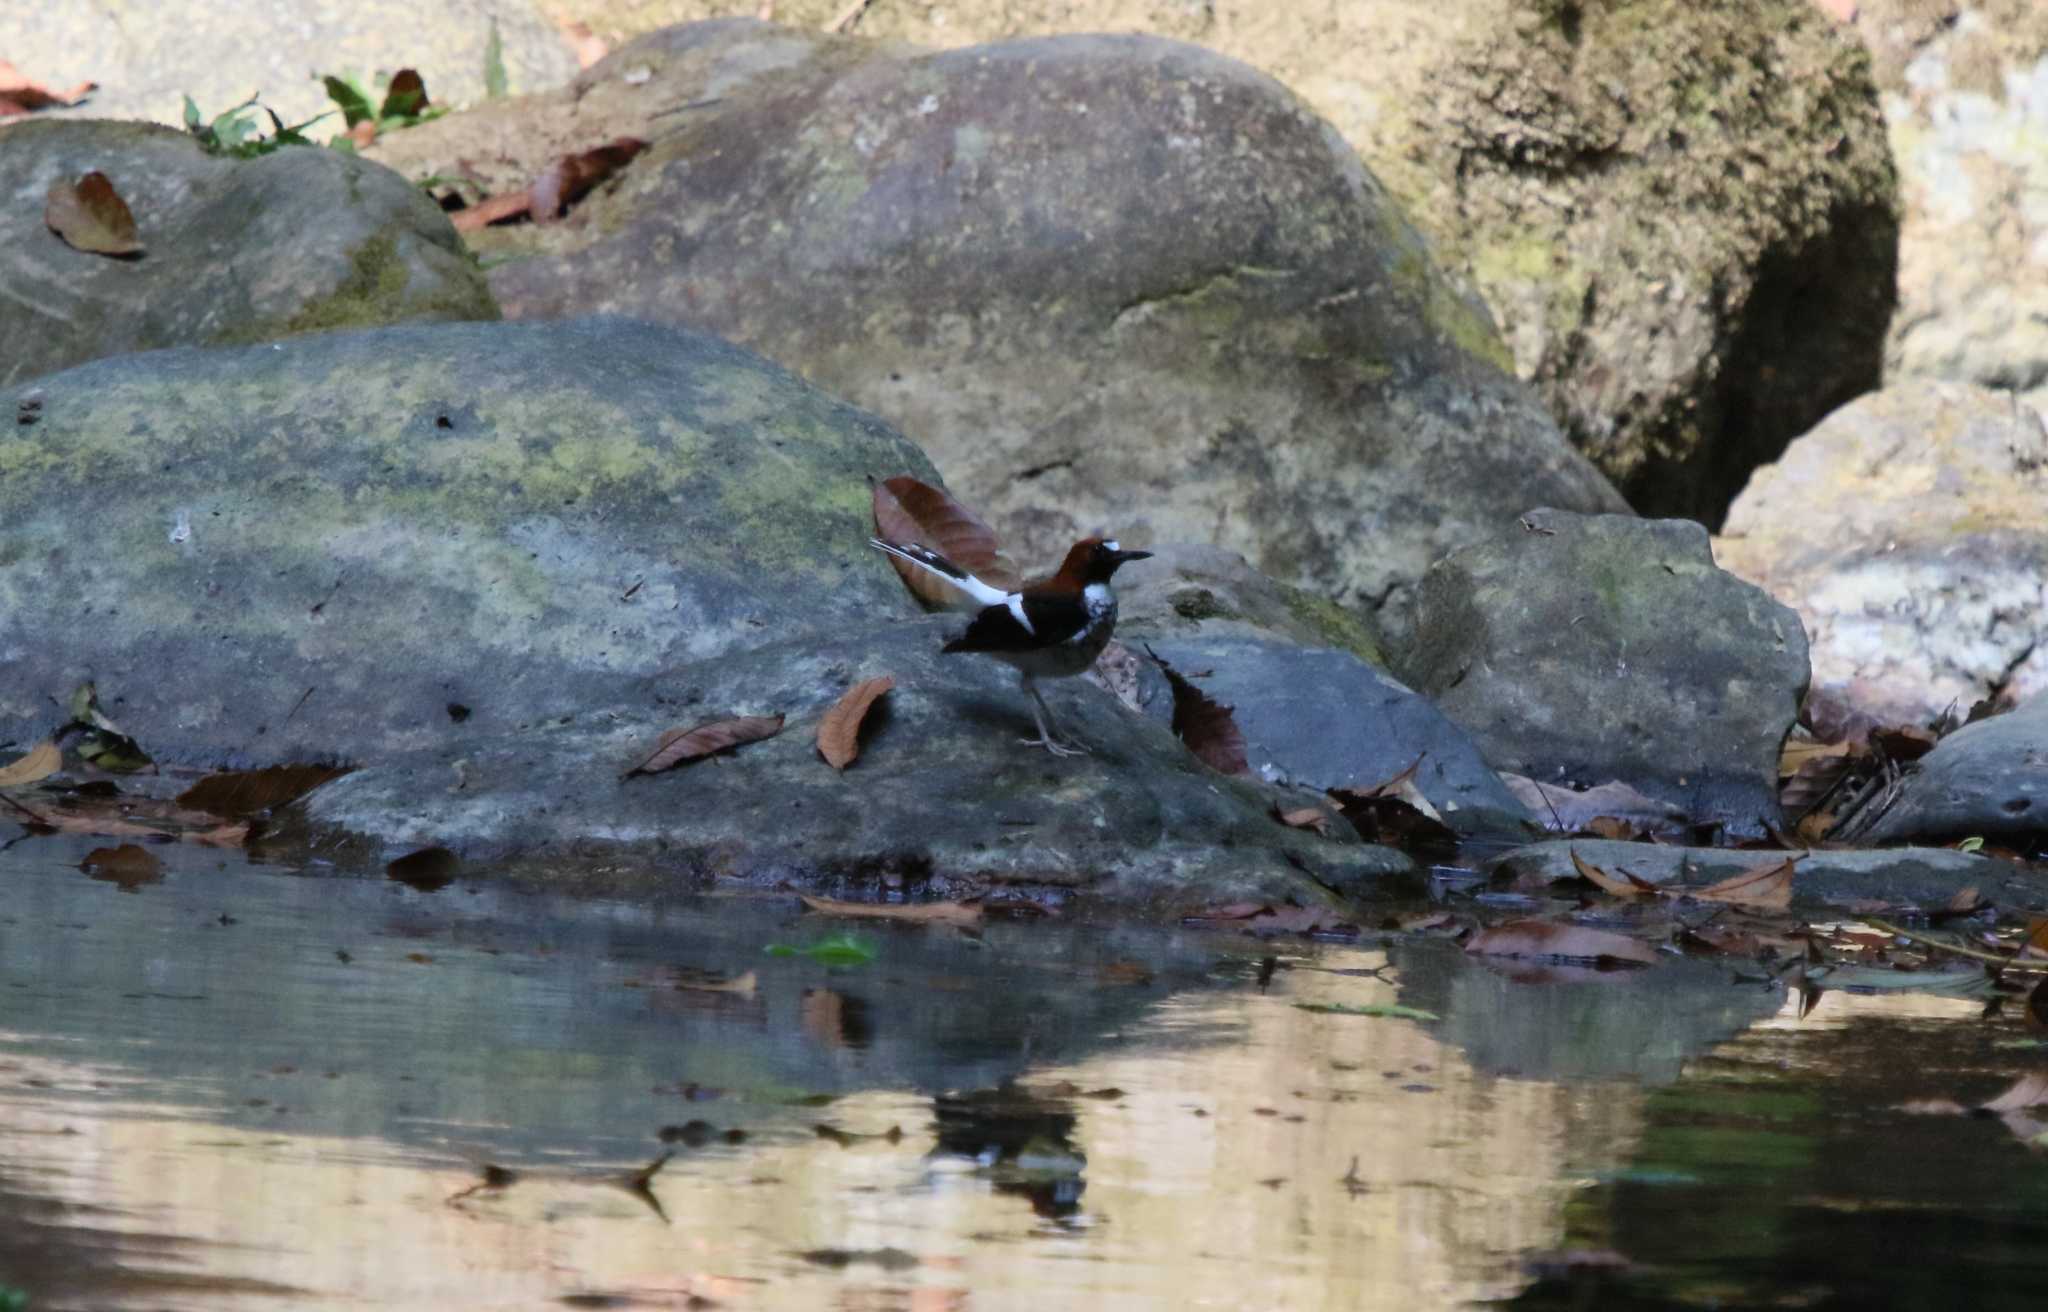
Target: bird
{"x":1050,"y":628}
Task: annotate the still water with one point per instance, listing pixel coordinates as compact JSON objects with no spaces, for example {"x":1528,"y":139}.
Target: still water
{"x":245,"y":1087}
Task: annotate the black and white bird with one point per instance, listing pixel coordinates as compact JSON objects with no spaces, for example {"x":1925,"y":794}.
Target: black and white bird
{"x":1051,"y":628}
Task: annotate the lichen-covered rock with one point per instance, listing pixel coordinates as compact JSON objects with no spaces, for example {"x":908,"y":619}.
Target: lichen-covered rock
{"x":1106,"y":281}
{"x":491,"y":563}
{"x":1680,"y":213}
{"x":1910,"y":532}
{"x":233,"y":250}
{"x":1965,"y":95}
{"x":1579,"y":649}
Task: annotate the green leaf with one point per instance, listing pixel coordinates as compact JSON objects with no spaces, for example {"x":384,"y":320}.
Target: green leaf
{"x":494,"y":64}
{"x":193,"y":118}
{"x":355,"y":105}
{"x":838,"y":950}
{"x":1375,"y":1009}
{"x":1971,"y":844}
{"x":406,"y":96}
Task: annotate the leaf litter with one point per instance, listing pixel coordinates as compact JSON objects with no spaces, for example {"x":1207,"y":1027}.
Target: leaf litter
{"x":839,"y":731}
{"x":679,"y":746}
{"x":907,"y":509}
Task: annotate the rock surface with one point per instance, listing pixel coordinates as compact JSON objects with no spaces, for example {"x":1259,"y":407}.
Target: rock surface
{"x":1965,"y":94}
{"x":1548,"y":151}
{"x":233,"y":250}
{"x":148,"y":57}
{"x":1579,"y":649}
{"x":1910,"y":532}
{"x":1910,"y":876}
{"x":1986,"y":780}
{"x":491,"y":563}
{"x":1107,"y":282}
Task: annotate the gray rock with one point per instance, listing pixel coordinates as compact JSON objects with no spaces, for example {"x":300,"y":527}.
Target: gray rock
{"x":1910,"y":532}
{"x":1318,"y":718}
{"x":944,"y":797}
{"x":147,"y":58}
{"x":1579,"y":649}
{"x":1108,"y":282}
{"x":1909,"y":876}
{"x":1988,"y":780}
{"x":1189,"y":590}
{"x":234,"y":250}
{"x":491,"y":563}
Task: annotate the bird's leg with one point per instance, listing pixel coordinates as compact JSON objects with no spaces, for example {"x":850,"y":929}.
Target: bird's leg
{"x":1042,"y":713}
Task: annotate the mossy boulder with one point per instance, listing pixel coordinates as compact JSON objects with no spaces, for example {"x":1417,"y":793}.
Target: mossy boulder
{"x":1579,"y":649}
{"x":1107,"y":282}
{"x":234,"y":251}
{"x":489,"y":564}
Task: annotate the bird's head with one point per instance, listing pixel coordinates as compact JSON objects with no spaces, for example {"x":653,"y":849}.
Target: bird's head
{"x":1093,"y":560}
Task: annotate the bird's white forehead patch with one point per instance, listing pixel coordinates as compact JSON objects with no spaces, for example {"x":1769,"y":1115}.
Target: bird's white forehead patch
{"x":1109,"y":544}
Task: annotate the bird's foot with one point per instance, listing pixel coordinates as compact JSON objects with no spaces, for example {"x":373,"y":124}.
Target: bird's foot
{"x":1055,"y":746}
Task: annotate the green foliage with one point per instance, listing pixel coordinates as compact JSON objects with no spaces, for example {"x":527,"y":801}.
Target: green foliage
{"x":838,"y":950}
{"x":12,"y":1299}
{"x":238,"y":133}
{"x":494,"y":65}
{"x":1388,"y":1009}
{"x":403,"y":104}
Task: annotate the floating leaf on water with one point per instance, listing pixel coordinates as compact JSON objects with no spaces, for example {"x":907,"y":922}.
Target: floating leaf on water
{"x":909,"y":510}
{"x":680,"y":745}
{"x":838,"y":950}
{"x":839,"y":731}
{"x":429,"y":870}
{"x":1550,"y":939}
{"x":128,"y":866}
{"x":237,"y":793}
{"x":1387,"y":1009}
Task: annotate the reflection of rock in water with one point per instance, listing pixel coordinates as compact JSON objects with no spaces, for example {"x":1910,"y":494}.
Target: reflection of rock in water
{"x":1643,"y":1023}
{"x":1023,"y":1141}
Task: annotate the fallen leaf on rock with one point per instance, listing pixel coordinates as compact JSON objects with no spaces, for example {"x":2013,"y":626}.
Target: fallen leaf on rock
{"x":429,"y":870}
{"x":19,"y":95}
{"x":680,"y":745}
{"x":1204,"y":724}
{"x":927,"y":913}
{"x":40,"y":762}
{"x":1547,"y":938}
{"x":1965,"y":900}
{"x":839,"y":731}
{"x":571,"y":177}
{"x":1304,"y":817}
{"x":128,"y":866}
{"x":1767,"y":887}
{"x":91,"y":216}
{"x":1797,"y":753}
{"x":236,"y":793}
{"x":1622,"y":885}
{"x":1572,"y":809}
{"x":493,"y":209}
{"x":1393,"y":822}
{"x":909,"y":510}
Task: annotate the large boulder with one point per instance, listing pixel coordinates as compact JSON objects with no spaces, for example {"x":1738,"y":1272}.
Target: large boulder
{"x":233,"y":250}
{"x":1965,"y":94}
{"x":147,"y":58}
{"x":1106,"y":281}
{"x":1681,"y":213}
{"x":1581,"y":649}
{"x":1910,"y":532}
{"x":1985,"y":780}
{"x":490,"y":563}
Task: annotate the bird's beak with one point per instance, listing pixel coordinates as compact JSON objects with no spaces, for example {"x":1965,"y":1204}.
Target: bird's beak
{"x":1125,"y":557}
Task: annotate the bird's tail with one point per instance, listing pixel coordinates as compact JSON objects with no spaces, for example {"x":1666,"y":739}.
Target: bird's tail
{"x":933,"y":563}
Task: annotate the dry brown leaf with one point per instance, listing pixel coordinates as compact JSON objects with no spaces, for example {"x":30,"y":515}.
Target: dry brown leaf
{"x":1116,"y":672}
{"x":429,"y":870}
{"x":1766,"y":887}
{"x":680,"y":745}
{"x":235,"y":793}
{"x":1546,"y":938}
{"x":91,"y":216}
{"x":1304,"y":817}
{"x":19,"y":95}
{"x":907,"y":510}
{"x":1622,"y":885}
{"x":1264,"y":918}
{"x":42,"y":761}
{"x":589,"y":47}
{"x":363,"y":133}
{"x":1965,"y":900}
{"x":493,"y":209}
{"x":571,"y":177}
{"x":1572,"y":809}
{"x":1204,"y":724}
{"x":839,"y":731}
{"x":2035,"y":944}
{"x":1798,"y":753}
{"x":2030,"y":1090}
{"x":743,"y":985}
{"x":962,"y":914}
